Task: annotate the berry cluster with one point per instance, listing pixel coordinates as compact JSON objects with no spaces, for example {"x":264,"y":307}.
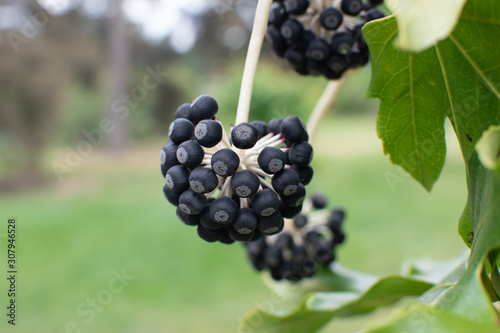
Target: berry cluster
{"x":237,"y":188}
{"x":321,"y":37}
{"x":302,"y":247}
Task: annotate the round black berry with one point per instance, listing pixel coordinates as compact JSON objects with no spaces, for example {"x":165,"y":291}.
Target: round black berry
{"x":274,"y":125}
{"x":184,"y":111}
{"x":190,"y":154}
{"x":376,"y":2}
{"x":246,"y":221}
{"x":209,"y":235}
{"x":278,"y":14}
{"x":203,"y":180}
{"x":244,"y":136}
{"x":296,"y":7}
{"x":178,"y":178}
{"x":275,"y":40}
{"x":223,"y":210}
{"x":204,"y":107}
{"x":358,"y":35}
{"x":342,"y":42}
{"x":260,"y":126}
{"x":305,"y":174}
{"x":351,"y":7}
{"x":270,"y":225}
{"x":206,"y":219}
{"x":374,"y":14}
{"x":318,"y":49}
{"x":318,"y":201}
{"x":225,"y":162}
{"x":208,"y":133}
{"x":299,"y":221}
{"x":271,"y":160}
{"x":238,"y":237}
{"x":171,"y":196}
{"x":245,"y":183}
{"x":296,"y":199}
{"x":289,"y":212}
{"x":181,"y":130}
{"x":337,"y":63}
{"x":292,"y":30}
{"x":190,"y":220}
{"x":295,"y":57}
{"x":331,"y":18}
{"x":168,"y":157}
{"x":265,"y":202}
{"x":301,"y":154}
{"x":293,"y":129}
{"x":192,"y":203}
{"x":284,"y":241}
{"x":285,"y":182}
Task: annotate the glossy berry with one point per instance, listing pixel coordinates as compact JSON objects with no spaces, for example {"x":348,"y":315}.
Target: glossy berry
{"x":292,"y":30}
{"x":246,"y":221}
{"x":203,"y":180}
{"x":271,"y":160}
{"x":301,"y":154}
{"x":351,"y":7}
{"x":245,"y":183}
{"x":178,"y":178}
{"x":244,"y":136}
{"x":223,"y":210}
{"x":208,"y":133}
{"x":342,"y":42}
{"x":331,"y":18}
{"x":192,"y":203}
{"x":225,"y":162}
{"x":285,"y":182}
{"x":190,"y":154}
{"x":265,"y":202}
{"x":180,"y":130}
{"x":168,"y":157}
{"x":318,"y":49}
{"x":296,"y":7}
{"x":293,"y":129}
{"x":270,"y":225}
{"x":204,"y":107}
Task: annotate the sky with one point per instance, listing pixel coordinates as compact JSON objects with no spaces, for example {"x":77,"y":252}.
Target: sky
{"x":157,"y":19}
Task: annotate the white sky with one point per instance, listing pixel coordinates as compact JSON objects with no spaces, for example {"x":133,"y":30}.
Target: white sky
{"x":157,"y":18}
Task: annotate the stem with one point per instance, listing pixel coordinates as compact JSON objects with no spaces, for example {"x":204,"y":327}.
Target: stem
{"x":258,"y":32}
{"x":324,"y":104}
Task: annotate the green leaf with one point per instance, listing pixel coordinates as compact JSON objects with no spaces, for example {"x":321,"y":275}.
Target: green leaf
{"x":455,"y":78}
{"x":422,"y":23}
{"x":319,"y":308}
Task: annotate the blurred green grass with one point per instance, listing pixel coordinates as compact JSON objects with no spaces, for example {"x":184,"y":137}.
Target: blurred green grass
{"x":110,"y":214}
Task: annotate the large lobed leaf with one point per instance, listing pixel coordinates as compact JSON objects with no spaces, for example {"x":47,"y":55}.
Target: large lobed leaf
{"x":458,"y":78}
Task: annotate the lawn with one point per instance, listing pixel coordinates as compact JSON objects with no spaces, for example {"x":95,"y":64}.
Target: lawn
{"x":108,"y":217}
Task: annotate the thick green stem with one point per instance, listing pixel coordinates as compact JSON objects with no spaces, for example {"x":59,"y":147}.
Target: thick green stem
{"x":258,"y":32}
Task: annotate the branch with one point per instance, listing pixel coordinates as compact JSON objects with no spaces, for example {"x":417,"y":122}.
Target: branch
{"x":323,"y":105}
{"x":258,"y":32}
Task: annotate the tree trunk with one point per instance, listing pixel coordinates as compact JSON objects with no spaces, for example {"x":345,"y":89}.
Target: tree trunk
{"x":119,"y":52}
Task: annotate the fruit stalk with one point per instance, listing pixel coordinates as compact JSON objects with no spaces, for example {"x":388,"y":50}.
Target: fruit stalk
{"x":256,"y":39}
{"x":323,"y":105}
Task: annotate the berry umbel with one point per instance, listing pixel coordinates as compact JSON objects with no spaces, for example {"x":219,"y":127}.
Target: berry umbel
{"x":240,"y":187}
{"x":321,"y":37}
{"x":303,"y":246}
